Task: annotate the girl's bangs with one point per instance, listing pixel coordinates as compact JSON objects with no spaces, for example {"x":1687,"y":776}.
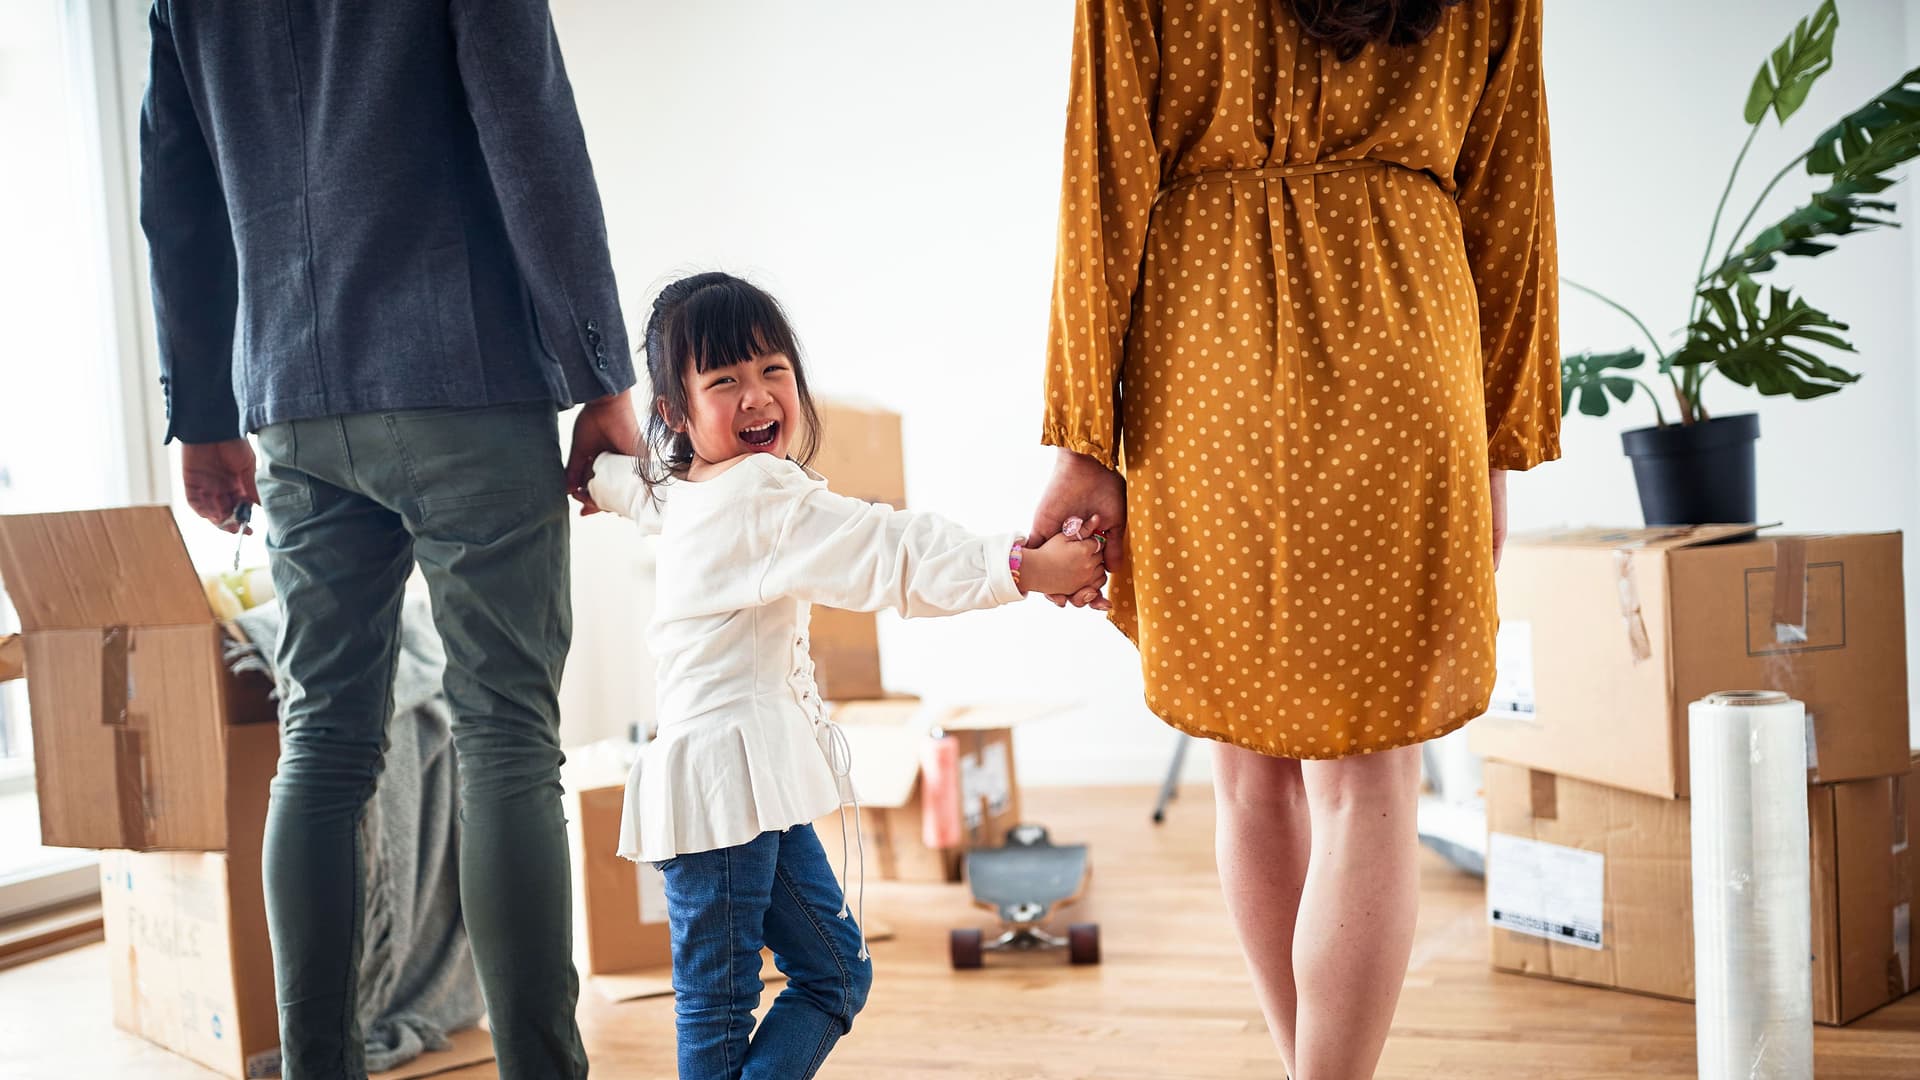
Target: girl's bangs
{"x":724,"y":325}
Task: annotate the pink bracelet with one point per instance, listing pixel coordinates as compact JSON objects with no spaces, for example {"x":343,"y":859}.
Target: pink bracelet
{"x":1013,"y":561}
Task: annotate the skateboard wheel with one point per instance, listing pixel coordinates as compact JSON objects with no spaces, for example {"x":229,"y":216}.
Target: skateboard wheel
{"x":1083,"y":943}
{"x":966,"y":948}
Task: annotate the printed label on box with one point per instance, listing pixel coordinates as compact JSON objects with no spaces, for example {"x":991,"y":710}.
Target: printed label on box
{"x":653,"y":894}
{"x":1513,"y":673}
{"x":1546,"y":890}
{"x":996,"y":779}
{"x":985,"y":778}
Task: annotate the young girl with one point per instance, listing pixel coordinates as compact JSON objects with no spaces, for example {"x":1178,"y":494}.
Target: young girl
{"x":723,"y":799}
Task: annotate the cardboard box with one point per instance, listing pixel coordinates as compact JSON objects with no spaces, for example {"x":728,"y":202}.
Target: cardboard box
{"x":860,"y":452}
{"x":130,"y":698}
{"x":1615,"y":899}
{"x":186,"y":938}
{"x":620,"y":913}
{"x":845,"y":646}
{"x":1607,"y":637}
{"x":622,"y":943}
{"x":887,"y":739}
{"x":186,"y":932}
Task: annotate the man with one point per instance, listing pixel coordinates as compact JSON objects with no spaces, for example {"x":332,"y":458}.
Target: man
{"x":376,"y":242}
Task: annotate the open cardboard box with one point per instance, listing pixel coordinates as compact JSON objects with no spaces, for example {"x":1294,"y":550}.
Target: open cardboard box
{"x":131,"y":699}
{"x":887,"y":738}
{"x":145,"y":742}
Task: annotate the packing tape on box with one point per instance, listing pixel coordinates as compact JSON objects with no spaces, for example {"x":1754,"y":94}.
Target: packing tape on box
{"x":129,"y":753}
{"x":1636,"y":623}
{"x":1790,"y":591}
{"x":1752,"y":920}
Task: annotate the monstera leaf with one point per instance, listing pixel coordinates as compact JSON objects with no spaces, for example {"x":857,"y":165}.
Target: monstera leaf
{"x":1588,"y":375}
{"x":1771,"y":340}
{"x":1795,"y":66}
{"x":1858,"y":155}
{"x":1766,"y":347}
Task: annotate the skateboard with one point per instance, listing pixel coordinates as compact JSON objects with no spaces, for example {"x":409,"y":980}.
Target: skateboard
{"x":1024,"y":882}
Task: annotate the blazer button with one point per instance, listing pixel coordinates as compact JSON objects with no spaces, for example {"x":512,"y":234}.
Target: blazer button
{"x":593,"y":325}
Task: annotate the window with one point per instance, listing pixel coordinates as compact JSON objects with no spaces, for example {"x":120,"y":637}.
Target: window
{"x":73,"y":423}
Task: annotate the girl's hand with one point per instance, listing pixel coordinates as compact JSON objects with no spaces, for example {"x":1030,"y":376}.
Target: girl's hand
{"x":1062,"y":567}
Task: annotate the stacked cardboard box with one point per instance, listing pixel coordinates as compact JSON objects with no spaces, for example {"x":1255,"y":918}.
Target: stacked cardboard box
{"x":147,"y":745}
{"x":1606,"y":638}
{"x":860,"y":455}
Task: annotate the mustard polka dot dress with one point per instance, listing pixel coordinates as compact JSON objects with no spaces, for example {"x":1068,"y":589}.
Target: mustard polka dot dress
{"x":1304,"y":305}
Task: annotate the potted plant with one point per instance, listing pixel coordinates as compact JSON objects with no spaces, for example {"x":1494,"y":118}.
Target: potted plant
{"x":1695,"y":467}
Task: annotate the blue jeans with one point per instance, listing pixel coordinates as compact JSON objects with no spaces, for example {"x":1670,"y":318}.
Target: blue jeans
{"x":776,"y":891}
{"x":476,"y":498}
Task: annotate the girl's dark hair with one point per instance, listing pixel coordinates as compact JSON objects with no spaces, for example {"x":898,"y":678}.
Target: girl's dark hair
{"x":707,"y":322}
{"x":1348,"y":26}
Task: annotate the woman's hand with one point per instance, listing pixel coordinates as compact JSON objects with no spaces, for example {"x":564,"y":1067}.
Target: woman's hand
{"x":1082,"y":487}
{"x":1497,"y":493}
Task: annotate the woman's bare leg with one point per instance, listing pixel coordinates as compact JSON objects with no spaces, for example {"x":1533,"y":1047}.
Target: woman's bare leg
{"x":1354,"y":932}
{"x":1261,"y":842}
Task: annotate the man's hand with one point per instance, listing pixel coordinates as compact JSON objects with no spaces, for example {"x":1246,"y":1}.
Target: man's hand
{"x":1497,"y":490}
{"x":606,"y":426}
{"x":1082,"y":487}
{"x":218,"y":477}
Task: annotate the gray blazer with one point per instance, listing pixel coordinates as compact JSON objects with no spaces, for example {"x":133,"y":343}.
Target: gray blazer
{"x":361,"y":205}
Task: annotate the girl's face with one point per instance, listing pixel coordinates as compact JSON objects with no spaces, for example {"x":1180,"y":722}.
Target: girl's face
{"x":749,"y":408}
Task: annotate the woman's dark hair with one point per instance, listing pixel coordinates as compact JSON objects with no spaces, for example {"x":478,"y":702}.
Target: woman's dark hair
{"x":704,"y":323}
{"x":1348,"y":26}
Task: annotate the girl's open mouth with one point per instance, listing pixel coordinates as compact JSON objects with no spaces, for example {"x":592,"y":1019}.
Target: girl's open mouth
{"x":761,"y":435}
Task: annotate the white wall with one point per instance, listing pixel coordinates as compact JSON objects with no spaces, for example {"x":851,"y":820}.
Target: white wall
{"x":890,"y":172}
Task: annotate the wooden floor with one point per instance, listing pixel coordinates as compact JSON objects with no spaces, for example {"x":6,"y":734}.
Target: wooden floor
{"x":1170,"y":1002}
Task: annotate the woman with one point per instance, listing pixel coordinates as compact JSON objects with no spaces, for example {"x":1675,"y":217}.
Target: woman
{"x":1303,"y":324}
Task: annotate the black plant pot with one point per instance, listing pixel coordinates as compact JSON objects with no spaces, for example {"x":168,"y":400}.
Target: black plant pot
{"x":1695,"y":474}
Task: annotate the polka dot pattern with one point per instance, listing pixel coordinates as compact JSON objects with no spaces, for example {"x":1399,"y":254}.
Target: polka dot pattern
{"x":1305,"y":374}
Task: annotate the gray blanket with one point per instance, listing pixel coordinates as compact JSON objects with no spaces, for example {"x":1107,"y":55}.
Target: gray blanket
{"x":417,"y":981}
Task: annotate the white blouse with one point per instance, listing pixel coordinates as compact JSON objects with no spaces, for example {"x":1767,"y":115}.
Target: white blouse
{"x":744,"y":745}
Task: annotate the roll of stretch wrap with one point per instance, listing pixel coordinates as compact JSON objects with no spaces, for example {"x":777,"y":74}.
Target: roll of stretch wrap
{"x":1752,"y":929}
